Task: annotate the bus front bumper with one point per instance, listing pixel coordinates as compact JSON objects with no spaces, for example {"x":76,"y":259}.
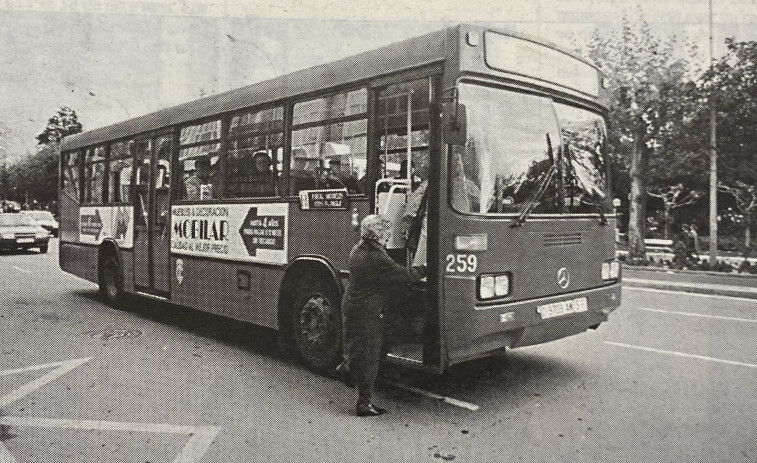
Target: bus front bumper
{"x":477,"y":331}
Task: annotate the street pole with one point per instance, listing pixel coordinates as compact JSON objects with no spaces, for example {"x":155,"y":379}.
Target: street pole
{"x":713,"y":164}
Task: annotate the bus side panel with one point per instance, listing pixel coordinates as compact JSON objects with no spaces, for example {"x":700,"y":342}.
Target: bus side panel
{"x":69,"y":219}
{"x":243,"y":291}
{"x":82,"y":260}
{"x":78,"y":259}
{"x":326,"y":233}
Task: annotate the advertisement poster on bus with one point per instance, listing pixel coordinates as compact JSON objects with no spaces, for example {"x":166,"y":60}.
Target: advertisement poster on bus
{"x":97,"y":223}
{"x":241,"y":232}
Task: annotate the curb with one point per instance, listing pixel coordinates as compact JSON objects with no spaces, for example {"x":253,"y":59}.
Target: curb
{"x":642,"y":268}
{"x":718,"y":290}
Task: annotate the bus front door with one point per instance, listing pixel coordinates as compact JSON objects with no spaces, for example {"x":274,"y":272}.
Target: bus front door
{"x":152,"y":216}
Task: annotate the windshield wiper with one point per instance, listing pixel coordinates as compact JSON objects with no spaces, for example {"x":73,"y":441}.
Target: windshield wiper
{"x":529,"y":207}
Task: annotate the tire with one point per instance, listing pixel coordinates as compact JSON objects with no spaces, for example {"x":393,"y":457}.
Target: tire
{"x":317,"y":323}
{"x":43,"y":249}
{"x":111,"y":281}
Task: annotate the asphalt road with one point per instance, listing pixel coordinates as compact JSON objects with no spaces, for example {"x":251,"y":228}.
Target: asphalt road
{"x":671,"y":377}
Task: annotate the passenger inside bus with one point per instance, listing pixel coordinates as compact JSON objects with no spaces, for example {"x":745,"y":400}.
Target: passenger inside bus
{"x":302,"y":173}
{"x":199,"y":182}
{"x":262,"y":176}
{"x":342,"y":177}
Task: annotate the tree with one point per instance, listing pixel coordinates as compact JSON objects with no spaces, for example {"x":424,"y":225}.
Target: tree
{"x":673,"y":197}
{"x":648,"y":101}
{"x":746,"y":201}
{"x":63,"y":123}
{"x":732,"y":83}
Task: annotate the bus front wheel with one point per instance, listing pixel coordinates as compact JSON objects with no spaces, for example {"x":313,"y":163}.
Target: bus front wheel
{"x":317,"y":324}
{"x":111,"y":280}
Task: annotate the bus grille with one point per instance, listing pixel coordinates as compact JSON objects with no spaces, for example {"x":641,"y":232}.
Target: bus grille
{"x":561,"y":239}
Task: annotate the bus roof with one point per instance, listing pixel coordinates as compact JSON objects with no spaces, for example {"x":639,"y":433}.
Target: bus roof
{"x":406,"y":54}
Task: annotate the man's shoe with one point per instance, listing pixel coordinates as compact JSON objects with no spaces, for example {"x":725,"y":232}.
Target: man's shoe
{"x":369,"y":410}
{"x":342,"y":373}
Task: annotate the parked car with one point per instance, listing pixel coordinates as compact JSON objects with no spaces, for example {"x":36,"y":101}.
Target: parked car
{"x":20,"y":231}
{"x":44,"y":219}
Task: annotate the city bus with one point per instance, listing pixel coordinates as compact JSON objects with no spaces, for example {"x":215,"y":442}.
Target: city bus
{"x":246,"y":203}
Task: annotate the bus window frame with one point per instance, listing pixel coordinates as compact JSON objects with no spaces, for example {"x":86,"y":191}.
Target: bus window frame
{"x":290,"y":127}
{"x":177,"y":174}
{"x":79,"y":153}
{"x":124,"y":202}
{"x":228,"y":139}
{"x":86,"y":183}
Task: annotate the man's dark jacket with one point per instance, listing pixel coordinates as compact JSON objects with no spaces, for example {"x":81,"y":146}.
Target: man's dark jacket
{"x":374,"y":279}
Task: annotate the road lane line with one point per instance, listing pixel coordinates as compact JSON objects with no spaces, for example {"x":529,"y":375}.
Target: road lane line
{"x":22,"y":270}
{"x":449,"y":400}
{"x":193,"y":450}
{"x":691,"y":314}
{"x":682,"y":354}
{"x":197,"y":445}
{"x":5,"y":455}
{"x":678,"y":293}
{"x":28,"y":388}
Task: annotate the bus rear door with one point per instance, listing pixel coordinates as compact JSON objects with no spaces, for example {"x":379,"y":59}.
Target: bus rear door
{"x":152,"y":216}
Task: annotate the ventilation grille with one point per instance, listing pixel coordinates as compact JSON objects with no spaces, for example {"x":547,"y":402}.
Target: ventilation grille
{"x":561,"y":239}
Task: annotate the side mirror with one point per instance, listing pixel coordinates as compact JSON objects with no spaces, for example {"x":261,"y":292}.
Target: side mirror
{"x":454,"y":123}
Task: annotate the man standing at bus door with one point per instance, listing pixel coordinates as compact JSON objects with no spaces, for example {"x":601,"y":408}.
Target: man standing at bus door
{"x":374,"y":277}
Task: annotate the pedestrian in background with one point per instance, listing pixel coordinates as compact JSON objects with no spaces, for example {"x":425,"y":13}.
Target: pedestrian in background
{"x":695,"y":239}
{"x":374,"y":277}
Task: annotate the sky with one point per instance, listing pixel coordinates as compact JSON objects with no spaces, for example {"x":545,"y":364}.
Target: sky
{"x":112,"y":60}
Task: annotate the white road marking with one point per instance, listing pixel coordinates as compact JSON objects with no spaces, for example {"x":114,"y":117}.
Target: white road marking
{"x":678,"y":293}
{"x":449,"y":400}
{"x":193,"y":450}
{"x":28,"y":388}
{"x":682,"y":354}
{"x":691,"y":314}
{"x":200,"y":437}
{"x":5,"y":455}
{"x":22,"y":270}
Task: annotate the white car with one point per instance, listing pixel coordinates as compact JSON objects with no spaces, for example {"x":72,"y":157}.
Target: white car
{"x":19,"y":231}
{"x":45,"y":220}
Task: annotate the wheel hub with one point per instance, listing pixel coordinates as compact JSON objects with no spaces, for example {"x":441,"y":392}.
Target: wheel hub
{"x":314,"y":318}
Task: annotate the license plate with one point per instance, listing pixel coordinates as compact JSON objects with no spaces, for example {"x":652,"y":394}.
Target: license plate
{"x":24,"y":240}
{"x":556,"y":309}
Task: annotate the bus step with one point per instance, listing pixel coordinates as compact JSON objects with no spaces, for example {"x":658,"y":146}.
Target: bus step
{"x":407,"y":352}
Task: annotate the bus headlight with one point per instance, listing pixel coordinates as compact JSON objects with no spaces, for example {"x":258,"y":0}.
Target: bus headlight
{"x":471,"y":243}
{"x":610,"y":270}
{"x":491,"y":286}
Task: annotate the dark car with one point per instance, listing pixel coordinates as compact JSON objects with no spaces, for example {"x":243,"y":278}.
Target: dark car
{"x":44,"y":219}
{"x":20,"y":231}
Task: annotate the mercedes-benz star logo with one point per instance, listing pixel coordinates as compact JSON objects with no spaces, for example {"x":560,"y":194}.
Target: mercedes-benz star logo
{"x":563,"y":278}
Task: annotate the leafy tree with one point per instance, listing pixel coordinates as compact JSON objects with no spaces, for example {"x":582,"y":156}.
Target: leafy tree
{"x":649,"y":101}
{"x":673,"y":197}
{"x":732,"y":82}
{"x":63,"y":123}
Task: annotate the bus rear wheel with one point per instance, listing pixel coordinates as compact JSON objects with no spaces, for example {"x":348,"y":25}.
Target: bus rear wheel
{"x":317,"y":324}
{"x":111,"y":281}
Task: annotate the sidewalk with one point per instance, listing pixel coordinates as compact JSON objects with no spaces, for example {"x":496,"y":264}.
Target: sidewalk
{"x":735,"y":285}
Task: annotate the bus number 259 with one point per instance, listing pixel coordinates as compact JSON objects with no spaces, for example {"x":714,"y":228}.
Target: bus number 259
{"x":461,"y":263}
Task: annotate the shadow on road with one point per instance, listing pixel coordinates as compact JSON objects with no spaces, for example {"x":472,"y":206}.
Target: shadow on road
{"x":491,"y":382}
{"x":498,"y":381}
{"x":228,"y":331}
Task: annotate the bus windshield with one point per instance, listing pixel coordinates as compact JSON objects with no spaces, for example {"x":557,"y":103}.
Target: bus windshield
{"x":522,"y":148}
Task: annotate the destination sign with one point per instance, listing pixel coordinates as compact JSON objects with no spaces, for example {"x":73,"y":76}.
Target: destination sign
{"x":520,"y":56}
{"x":335,"y":199}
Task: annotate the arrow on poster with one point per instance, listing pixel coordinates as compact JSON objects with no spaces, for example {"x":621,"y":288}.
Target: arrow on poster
{"x":262,"y":231}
